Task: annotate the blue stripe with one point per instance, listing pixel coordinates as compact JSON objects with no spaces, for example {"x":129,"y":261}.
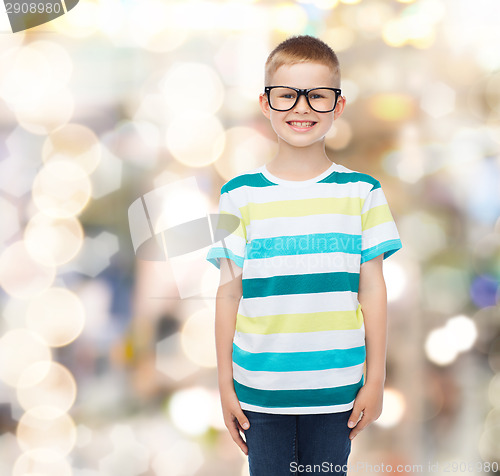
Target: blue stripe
{"x":215,"y":253}
{"x":299,"y":361}
{"x":388,"y":247}
{"x":300,"y":284}
{"x":303,"y":244}
{"x":298,"y":398}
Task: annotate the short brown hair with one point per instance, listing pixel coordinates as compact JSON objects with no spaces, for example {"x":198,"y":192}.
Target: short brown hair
{"x":301,"y":49}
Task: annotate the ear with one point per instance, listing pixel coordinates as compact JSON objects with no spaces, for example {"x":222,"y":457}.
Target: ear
{"x":339,"y":108}
{"x":264,"y":105}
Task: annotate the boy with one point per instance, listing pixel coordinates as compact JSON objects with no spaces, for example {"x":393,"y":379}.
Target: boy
{"x":302,"y":300}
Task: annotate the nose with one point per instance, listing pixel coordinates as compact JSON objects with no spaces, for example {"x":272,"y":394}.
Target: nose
{"x":302,"y":104}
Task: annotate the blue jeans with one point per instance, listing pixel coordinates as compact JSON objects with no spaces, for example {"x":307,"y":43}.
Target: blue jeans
{"x":285,"y":445}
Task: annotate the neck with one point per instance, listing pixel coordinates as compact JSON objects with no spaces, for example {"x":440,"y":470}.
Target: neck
{"x":300,"y":160}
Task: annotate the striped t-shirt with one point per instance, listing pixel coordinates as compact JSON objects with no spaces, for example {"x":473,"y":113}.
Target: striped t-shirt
{"x":299,"y":343}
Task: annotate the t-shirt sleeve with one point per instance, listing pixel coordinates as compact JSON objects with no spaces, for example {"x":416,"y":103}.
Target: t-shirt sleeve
{"x":379,"y":232}
{"x":229,"y":233}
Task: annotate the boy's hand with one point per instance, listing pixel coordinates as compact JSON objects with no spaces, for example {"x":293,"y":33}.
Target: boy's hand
{"x":368,"y":405}
{"x":234,"y":418}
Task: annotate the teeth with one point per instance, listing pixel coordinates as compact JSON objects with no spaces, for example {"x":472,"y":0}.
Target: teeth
{"x":301,"y":124}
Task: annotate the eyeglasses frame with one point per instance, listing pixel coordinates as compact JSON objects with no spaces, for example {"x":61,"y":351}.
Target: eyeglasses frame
{"x":301,"y":92}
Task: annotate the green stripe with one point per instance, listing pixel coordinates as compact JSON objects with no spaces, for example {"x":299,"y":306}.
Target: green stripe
{"x":298,"y":398}
{"x":249,"y":180}
{"x":300,"y":284}
{"x":348,"y":177}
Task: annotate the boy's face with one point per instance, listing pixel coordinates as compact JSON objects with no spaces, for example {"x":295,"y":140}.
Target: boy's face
{"x":301,"y":126}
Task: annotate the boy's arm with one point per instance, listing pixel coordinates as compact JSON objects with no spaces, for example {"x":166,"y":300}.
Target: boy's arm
{"x":372,"y":296}
{"x":226,"y":307}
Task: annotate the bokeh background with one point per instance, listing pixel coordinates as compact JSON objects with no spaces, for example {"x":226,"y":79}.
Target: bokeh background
{"x":107,"y":360}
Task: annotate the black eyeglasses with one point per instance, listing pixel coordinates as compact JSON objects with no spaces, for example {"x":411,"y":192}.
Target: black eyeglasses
{"x":284,"y":98}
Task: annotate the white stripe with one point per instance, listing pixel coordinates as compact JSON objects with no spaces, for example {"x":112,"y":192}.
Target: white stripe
{"x":378,"y":234}
{"x":310,"y":379}
{"x":302,"y":264}
{"x":375,"y":199}
{"x":298,"y":410}
{"x":304,"y":225}
{"x":301,"y":342}
{"x":299,"y":303}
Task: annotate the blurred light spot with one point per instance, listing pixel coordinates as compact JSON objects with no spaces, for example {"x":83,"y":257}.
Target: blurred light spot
{"x":20,"y":275}
{"x":323,"y":4}
{"x":424,"y":232}
{"x":16,"y":175}
{"x":26,"y":77}
{"x":445,"y":343}
{"x":391,"y":107}
{"x":60,"y":61}
{"x":350,"y":2}
{"x":137,"y":142}
{"x":394,"y":408}
{"x":350,"y":90}
{"x":195,"y":139}
{"x":483,"y":291}
{"x":486,"y":254}
{"x":53,"y":110}
{"x":172,"y":361}
{"x":439,"y":348}
{"x":47,"y":384}
{"x":494,"y":391}
{"x":245,"y":149}
{"x":61,"y":189}
{"x":111,"y":19}
{"x":57,"y":316}
{"x":151,"y":26}
{"x":438,"y":99}
{"x":10,"y":220}
{"x":191,"y":410}
{"x":415,"y":26}
{"x":289,"y":18}
{"x":45,"y":428}
{"x":395,"y":278}
{"x":95,"y":255}
{"x":51,"y":241}
{"x":197,"y":337}
{"x":79,"y":23}
{"x":83,"y":435}
{"x":372,"y":16}
{"x":107,"y":178}
{"x":341,"y":36}
{"x":75,"y":143}
{"x":19,"y":349}
{"x":41,"y":462}
{"x":489,"y":444}
{"x":240,"y":62}
{"x":492,"y":94}
{"x":412,"y":160}
{"x":340,"y":135}
{"x":446,"y":289}
{"x":463,"y":332}
{"x":128,"y":458}
{"x":183,"y":458}
{"x":191,"y":87}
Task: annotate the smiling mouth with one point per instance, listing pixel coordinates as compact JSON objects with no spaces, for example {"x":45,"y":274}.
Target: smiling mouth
{"x":304,"y":124}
